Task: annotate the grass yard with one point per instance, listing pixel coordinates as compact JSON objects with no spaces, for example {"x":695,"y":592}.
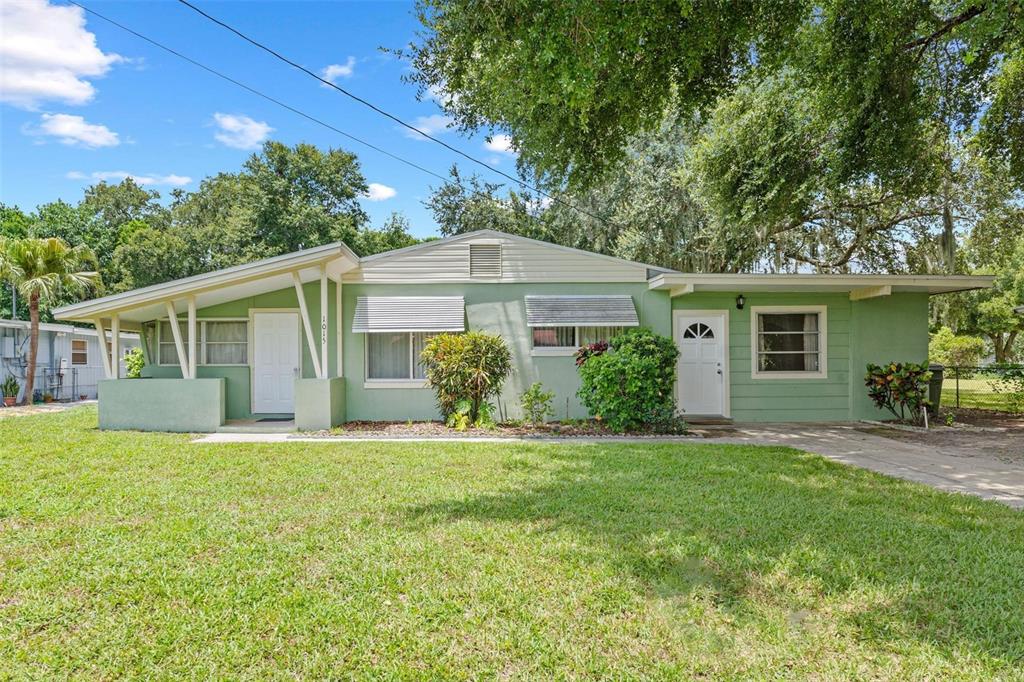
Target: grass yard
{"x":980,"y":398}
{"x":128,"y":555}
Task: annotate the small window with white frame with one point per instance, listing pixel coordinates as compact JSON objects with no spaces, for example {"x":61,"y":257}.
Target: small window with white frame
{"x":395,"y":356}
{"x":566,"y":340}
{"x":79,"y":352}
{"x":789,"y":342}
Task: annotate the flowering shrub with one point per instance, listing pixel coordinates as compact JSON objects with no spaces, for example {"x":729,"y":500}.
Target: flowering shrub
{"x":630,"y":383}
{"x":901,"y":388}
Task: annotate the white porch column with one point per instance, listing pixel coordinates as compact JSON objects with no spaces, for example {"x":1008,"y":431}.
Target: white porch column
{"x":324,"y":363}
{"x":304,"y":310}
{"x":172,"y":319}
{"x":115,"y":346}
{"x":338,"y":327}
{"x":104,"y":354}
{"x":192,"y":337}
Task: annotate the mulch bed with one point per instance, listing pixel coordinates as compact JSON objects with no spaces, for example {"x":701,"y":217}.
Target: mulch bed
{"x":991,"y":418}
{"x":436,"y":429}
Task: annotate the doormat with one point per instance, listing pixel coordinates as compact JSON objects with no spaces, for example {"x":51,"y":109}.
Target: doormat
{"x":277,"y":419}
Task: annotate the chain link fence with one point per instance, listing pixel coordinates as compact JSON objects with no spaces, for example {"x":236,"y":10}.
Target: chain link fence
{"x":998,"y":388}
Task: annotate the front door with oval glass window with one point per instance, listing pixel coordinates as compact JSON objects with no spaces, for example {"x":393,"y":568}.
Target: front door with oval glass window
{"x":701,"y":370}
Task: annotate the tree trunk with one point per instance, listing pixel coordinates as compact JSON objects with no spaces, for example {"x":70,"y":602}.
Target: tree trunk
{"x":33,"y":348}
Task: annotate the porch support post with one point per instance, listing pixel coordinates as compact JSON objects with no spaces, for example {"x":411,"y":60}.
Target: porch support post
{"x":338,"y":329}
{"x":192,"y":338}
{"x":172,"y":319}
{"x":304,"y":310}
{"x":324,"y":361}
{"x":115,"y":346}
{"x":104,"y":355}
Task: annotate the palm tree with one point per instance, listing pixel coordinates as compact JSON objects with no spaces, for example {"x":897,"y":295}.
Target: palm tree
{"x":41,"y":269}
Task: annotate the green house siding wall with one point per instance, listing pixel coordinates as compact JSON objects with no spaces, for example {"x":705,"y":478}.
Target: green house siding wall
{"x":495,"y":308}
{"x":238,"y":379}
{"x":891,"y":328}
{"x":874,"y":330}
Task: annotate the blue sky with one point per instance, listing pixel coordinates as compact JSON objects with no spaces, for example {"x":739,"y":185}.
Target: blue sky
{"x":85,"y":101}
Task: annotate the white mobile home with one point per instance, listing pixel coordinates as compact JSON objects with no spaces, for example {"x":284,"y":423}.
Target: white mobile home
{"x":69,"y":363}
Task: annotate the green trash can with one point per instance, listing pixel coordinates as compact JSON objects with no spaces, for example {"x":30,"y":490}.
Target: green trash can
{"x":935,"y":388}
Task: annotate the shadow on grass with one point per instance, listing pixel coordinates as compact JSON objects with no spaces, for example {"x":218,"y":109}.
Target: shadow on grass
{"x":755,"y":528}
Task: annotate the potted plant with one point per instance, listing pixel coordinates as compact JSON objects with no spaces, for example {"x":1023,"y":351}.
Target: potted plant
{"x":10,"y":389}
{"x":47,"y":397}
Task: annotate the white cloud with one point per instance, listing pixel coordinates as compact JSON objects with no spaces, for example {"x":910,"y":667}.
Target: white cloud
{"x":440,"y":94}
{"x":333,"y":72}
{"x":379,"y":192}
{"x":74,"y":131}
{"x":241,"y":132}
{"x":171,"y":180}
{"x":501,"y":144}
{"x":46,"y":54}
{"x":431,"y":125}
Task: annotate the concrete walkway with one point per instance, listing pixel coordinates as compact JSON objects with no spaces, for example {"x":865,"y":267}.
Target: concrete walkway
{"x":953,"y":469}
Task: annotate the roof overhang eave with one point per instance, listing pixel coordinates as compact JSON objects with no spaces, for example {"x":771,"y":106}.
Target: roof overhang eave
{"x":680,"y":284}
{"x":198,"y":284}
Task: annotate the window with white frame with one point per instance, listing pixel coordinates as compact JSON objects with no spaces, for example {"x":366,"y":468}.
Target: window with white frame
{"x":395,"y":356}
{"x":789,"y":342}
{"x":79,"y":352}
{"x":219,"y":342}
{"x":571,"y":338}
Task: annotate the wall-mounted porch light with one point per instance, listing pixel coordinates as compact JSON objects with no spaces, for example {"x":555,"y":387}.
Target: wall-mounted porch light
{"x":740,"y":302}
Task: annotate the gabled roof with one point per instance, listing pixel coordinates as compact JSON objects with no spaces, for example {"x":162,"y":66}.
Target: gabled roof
{"x":495,"y":234}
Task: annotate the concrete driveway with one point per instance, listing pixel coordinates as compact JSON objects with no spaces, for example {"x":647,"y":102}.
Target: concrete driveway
{"x":986,"y":463}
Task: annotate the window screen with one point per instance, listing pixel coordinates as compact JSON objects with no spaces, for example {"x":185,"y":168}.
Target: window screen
{"x":788,"y":342}
{"x":226,"y":343}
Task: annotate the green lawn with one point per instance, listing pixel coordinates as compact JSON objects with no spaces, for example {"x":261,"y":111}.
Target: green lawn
{"x":127,"y":555}
{"x":979,"y":398}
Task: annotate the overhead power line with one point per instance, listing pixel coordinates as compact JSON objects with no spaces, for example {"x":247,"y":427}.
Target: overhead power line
{"x":386,"y":114}
{"x":256,"y":92}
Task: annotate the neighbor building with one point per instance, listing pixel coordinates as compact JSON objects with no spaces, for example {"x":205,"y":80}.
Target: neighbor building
{"x":68,"y":364}
{"x":325,"y":336}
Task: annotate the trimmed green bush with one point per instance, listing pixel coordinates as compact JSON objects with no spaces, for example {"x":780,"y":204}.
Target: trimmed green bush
{"x":900,"y":387}
{"x":466,"y":368}
{"x":631,"y":385}
{"x":537,"y":403}
{"x":949,"y":349}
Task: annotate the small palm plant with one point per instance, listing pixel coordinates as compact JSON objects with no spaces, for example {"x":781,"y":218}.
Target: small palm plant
{"x":42,"y":269}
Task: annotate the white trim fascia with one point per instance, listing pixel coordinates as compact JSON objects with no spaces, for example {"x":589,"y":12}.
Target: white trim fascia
{"x":196,"y":284}
{"x":496,"y":235}
{"x":821,"y":310}
{"x":25,"y":325}
{"x":726,"y":376}
{"x":811,"y":282}
{"x":865,"y":293}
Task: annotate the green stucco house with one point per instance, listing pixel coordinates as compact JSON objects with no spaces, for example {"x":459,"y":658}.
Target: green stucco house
{"x":324,"y":336}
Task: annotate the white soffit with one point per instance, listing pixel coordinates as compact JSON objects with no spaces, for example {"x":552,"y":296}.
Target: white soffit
{"x":860,"y":286}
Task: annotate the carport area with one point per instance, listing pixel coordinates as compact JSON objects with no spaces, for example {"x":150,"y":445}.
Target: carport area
{"x":987,"y":461}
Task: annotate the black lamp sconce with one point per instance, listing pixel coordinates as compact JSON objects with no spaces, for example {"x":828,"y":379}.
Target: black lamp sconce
{"x":740,"y":302}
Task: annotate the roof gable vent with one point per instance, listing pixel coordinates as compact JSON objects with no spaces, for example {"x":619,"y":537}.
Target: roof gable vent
{"x":485,"y":260}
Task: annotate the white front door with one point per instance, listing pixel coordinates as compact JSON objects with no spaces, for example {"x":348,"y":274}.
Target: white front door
{"x":701,"y":372}
{"x":275,"y":362}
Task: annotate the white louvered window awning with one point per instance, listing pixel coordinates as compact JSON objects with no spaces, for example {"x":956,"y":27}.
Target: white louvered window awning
{"x":409,"y":314}
{"x":581,"y":311}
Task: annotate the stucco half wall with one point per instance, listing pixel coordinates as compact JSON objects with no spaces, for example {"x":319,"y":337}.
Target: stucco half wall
{"x":184,"y":405}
